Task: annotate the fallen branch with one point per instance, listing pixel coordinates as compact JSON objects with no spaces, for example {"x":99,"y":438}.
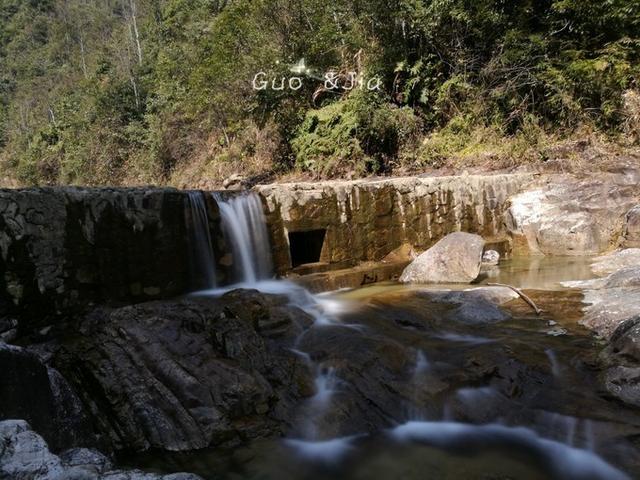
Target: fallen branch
{"x":522,"y":295}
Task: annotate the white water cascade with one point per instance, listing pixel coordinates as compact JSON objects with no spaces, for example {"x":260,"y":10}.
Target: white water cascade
{"x":563,"y":461}
{"x":203,"y":262}
{"x":245,"y":231}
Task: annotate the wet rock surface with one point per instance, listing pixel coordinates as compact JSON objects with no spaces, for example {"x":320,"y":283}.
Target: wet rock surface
{"x":454,"y":259}
{"x":24,"y":455}
{"x":222,"y":372}
{"x":408,"y":355}
{"x":33,"y":391}
{"x":189,"y":374}
{"x":622,"y":358}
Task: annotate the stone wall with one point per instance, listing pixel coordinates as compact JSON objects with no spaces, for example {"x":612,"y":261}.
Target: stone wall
{"x":62,"y":248}
{"x":367,"y":219}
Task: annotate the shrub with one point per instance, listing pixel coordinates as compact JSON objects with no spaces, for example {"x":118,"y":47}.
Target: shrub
{"x":359,"y":135}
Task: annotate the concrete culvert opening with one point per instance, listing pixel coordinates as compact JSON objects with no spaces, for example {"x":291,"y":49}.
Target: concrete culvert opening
{"x":306,"y":247}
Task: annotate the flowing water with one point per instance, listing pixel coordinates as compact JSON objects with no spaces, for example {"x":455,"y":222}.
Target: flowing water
{"x":202,"y":260}
{"x":406,"y":388}
{"x":394,"y":400}
{"x":246,"y":233}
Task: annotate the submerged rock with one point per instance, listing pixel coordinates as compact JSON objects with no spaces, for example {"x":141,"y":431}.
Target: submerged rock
{"x":24,"y":455}
{"x":454,"y":259}
{"x":475,"y":307}
{"x":495,"y":295}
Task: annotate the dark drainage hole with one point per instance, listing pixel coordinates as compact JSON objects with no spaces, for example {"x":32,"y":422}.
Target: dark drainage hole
{"x":306,"y":247}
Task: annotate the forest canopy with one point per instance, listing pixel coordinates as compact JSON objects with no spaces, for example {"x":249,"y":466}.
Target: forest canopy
{"x":162,"y":91}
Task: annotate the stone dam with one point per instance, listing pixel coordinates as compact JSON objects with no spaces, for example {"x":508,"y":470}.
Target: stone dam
{"x":71,"y":246}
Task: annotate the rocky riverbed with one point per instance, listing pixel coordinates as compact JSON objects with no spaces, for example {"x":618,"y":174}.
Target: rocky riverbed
{"x":240,"y":376}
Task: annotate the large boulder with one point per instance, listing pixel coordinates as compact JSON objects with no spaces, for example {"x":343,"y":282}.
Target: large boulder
{"x":569,"y":216}
{"x":454,"y":259}
{"x":188,"y":374}
{"x":24,"y":455}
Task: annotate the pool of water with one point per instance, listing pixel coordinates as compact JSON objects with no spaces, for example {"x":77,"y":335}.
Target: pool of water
{"x":538,"y":273}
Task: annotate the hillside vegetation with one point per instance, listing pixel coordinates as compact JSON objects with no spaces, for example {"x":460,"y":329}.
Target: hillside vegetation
{"x":160,"y":91}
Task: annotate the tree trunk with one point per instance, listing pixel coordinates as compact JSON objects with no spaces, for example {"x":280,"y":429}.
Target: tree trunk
{"x":136,"y":35}
{"x":84,"y":63}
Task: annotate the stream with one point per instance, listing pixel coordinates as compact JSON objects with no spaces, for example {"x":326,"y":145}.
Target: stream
{"x":412,"y":382}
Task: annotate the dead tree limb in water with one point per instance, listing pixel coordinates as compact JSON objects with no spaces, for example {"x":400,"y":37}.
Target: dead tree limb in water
{"x":521,"y":294}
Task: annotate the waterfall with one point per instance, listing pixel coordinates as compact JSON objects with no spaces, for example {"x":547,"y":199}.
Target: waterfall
{"x":202,"y":259}
{"x":245,"y":231}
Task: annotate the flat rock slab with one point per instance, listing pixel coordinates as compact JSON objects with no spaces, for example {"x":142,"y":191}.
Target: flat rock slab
{"x":614,"y":297}
{"x":189,"y":374}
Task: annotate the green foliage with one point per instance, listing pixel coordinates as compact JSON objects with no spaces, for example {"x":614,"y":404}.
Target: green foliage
{"x":138,"y":91}
{"x":358,"y":135}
